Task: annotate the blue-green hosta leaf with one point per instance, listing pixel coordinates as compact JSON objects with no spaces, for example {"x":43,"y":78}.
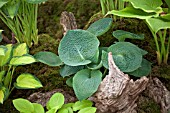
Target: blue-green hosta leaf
{"x":147,"y":5}
{"x":88,"y":110}
{"x":3,"y":50}
{"x":3,"y":2}
{"x":56,"y":101}
{"x":5,"y":59}
{"x":69,"y":70}
{"x":121,"y":35}
{"x":132,"y":13}
{"x":22,"y":60}
{"x":1,"y":96}
{"x":100,"y":27}
{"x":48,"y":58}
{"x":69,"y":81}
{"x":86,"y":82}
{"x":78,"y":47}
{"x":105,"y":59}
{"x":153,"y":23}
{"x":82,"y":104}
{"x":1,"y":35}
{"x":144,"y":70}
{"x":23,"y":105}
{"x":20,"y":50}
{"x":95,"y":66}
{"x":35,"y":1}
{"x":127,"y":56}
{"x":38,"y":108}
{"x":27,"y":81}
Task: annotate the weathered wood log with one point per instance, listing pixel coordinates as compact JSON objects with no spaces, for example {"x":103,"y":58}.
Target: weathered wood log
{"x":117,"y":93}
{"x":160,"y":94}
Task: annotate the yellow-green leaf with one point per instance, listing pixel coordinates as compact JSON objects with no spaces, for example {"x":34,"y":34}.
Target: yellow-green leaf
{"x":1,"y":96}
{"x":20,"y":50}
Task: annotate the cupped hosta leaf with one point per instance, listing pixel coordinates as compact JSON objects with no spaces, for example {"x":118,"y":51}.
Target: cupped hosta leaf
{"x":88,"y":110}
{"x":78,"y":47}
{"x":35,"y":1}
{"x":100,"y":27}
{"x":132,"y":13}
{"x":95,"y":66}
{"x":86,"y":82}
{"x":144,"y":70}
{"x":121,"y":35}
{"x":69,"y":70}
{"x":127,"y":56}
{"x":69,"y":81}
{"x":82,"y":104}
{"x":20,"y":50}
{"x":56,"y":101}
{"x":38,"y":108}
{"x":48,"y":58}
{"x":1,"y":96}
{"x":27,"y":81}
{"x":3,"y":2}
{"x":22,"y":60}
{"x":1,"y":34}
{"x":5,"y":59}
{"x":153,"y":23}
{"x":3,"y":50}
{"x":23,"y":105}
{"x":147,"y":5}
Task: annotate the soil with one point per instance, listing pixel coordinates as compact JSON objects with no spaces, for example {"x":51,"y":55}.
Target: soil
{"x":51,"y":33}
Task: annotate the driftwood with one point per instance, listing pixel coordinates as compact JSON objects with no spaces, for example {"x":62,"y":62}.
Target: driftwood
{"x":160,"y":94}
{"x":117,"y":93}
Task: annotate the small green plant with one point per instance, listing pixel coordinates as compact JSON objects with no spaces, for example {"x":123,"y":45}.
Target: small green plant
{"x":109,"y":5}
{"x":13,"y":56}
{"x":80,"y":52}
{"x":21,"y":18}
{"x":157,"y":19}
{"x":54,"y":105}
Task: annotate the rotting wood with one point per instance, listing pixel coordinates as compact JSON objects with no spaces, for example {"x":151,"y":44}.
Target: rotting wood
{"x":117,"y":93}
{"x":160,"y":94}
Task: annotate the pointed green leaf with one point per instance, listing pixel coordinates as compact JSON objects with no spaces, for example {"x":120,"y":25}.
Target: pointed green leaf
{"x":5,"y":59}
{"x":132,"y":13}
{"x":69,"y":82}
{"x":153,"y":23}
{"x":3,"y":2}
{"x":86,"y":82}
{"x":69,"y":70}
{"x":48,"y":58}
{"x":147,"y":5}
{"x":56,"y":101}
{"x":22,"y":60}
{"x":127,"y":56}
{"x":82,"y":104}
{"x":3,"y":50}
{"x":23,"y":105}
{"x":144,"y":70}
{"x":27,"y":81}
{"x":35,"y":1}
{"x":88,"y":110}
{"x":1,"y":34}
{"x":38,"y":108}
{"x":20,"y":50}
{"x":121,"y":35}
{"x":7,"y":79}
{"x":6,"y":92}
{"x":1,"y":96}
{"x":78,"y":47}
{"x":100,"y":27}
{"x":2,"y":73}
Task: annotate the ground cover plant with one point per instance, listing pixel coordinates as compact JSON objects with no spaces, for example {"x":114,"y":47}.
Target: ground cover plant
{"x":54,"y":105}
{"x":152,"y":15}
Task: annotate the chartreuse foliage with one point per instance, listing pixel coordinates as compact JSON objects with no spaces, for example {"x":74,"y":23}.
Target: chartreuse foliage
{"x":151,"y":12}
{"x":21,"y":18}
{"x":54,"y":105}
{"x":13,"y":56}
{"x":80,"y":52}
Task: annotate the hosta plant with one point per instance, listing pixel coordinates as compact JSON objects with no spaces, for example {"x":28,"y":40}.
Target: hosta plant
{"x":157,"y":19}
{"x":54,"y":105}
{"x":18,"y":55}
{"x":21,"y":18}
{"x":82,"y":56}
